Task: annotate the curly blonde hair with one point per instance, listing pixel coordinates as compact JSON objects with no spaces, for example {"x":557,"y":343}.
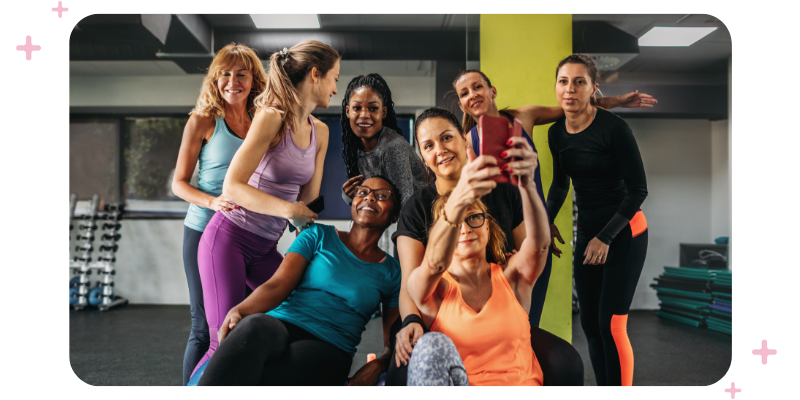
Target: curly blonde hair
{"x":286,"y":70}
{"x":495,"y":249}
{"x":210,"y":102}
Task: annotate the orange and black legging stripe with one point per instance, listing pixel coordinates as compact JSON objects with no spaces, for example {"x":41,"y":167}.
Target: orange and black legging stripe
{"x":605,"y":293}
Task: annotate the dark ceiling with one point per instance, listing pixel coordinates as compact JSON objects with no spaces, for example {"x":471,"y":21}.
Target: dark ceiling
{"x":189,"y":40}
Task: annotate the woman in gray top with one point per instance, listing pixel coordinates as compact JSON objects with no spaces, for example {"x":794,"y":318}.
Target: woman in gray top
{"x":372,"y":143}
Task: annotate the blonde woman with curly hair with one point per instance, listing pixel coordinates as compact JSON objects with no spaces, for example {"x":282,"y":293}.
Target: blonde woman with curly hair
{"x":274,"y":174}
{"x":217,"y":127}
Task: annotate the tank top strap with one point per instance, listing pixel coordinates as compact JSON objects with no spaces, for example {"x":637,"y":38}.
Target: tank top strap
{"x":499,"y":280}
{"x":476,"y":140}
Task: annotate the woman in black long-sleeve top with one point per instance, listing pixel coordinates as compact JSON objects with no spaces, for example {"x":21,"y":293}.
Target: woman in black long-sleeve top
{"x":598,"y":151}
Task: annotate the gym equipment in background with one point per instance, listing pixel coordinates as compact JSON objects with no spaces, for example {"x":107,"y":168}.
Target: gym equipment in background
{"x":102,"y":296}
{"x":696,"y":296}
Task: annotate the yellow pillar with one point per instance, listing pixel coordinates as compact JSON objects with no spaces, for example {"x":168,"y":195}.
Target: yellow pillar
{"x":519,"y":54}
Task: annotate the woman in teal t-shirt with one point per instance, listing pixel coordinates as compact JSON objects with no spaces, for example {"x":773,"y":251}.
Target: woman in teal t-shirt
{"x":317,"y":304}
{"x":212,"y":135}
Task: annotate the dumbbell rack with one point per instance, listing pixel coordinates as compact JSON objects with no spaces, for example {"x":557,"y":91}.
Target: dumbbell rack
{"x":82,"y":264}
{"x":107,"y":257}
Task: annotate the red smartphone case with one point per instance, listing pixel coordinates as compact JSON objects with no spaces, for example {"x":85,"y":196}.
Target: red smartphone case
{"x":494,"y":133}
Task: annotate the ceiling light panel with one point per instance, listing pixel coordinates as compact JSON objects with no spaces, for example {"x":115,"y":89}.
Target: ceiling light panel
{"x":285,"y":21}
{"x":670,"y":36}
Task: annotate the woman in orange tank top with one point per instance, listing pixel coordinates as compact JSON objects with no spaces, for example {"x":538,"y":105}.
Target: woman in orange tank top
{"x":474,"y":308}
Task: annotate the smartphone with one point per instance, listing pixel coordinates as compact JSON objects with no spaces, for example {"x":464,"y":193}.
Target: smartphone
{"x":495,"y":133}
{"x":316,"y":205}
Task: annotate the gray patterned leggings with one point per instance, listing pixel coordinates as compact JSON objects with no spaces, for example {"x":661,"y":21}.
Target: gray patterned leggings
{"x":436,"y":362}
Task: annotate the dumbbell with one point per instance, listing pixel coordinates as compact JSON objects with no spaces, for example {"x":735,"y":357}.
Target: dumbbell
{"x":112,"y":249}
{"x":73,"y":296}
{"x":82,"y":259}
{"x":107,"y":259}
{"x":88,"y":237}
{"x":96,"y":296}
{"x":84,"y":247}
{"x":85,"y":227}
{"x":116,"y":237}
{"x":114,"y":207}
{"x":108,"y":226}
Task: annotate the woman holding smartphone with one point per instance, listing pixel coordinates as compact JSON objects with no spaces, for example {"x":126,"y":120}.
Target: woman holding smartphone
{"x":444,"y":149}
{"x":275,"y":172}
{"x":459,"y":292}
{"x":597,"y":150}
{"x":476,"y":97}
{"x":217,"y":126}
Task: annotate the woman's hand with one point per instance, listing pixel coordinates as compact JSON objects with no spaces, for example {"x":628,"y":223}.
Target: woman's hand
{"x":301,"y":216}
{"x":635,"y":99}
{"x":596,"y":252}
{"x":526,"y":160}
{"x":368,"y":374}
{"x":349,"y":187}
{"x":475,"y":182}
{"x":230,"y":322}
{"x":221,"y":204}
{"x":406,"y":339}
{"x":556,"y":235}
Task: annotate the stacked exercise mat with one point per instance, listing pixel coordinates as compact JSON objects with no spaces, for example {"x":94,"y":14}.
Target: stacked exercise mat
{"x":696,"y":297}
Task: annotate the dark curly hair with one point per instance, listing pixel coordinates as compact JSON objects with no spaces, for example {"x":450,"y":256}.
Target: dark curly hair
{"x":352,"y":143}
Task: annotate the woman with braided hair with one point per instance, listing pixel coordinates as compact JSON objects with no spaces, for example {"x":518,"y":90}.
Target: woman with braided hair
{"x":372,"y":141}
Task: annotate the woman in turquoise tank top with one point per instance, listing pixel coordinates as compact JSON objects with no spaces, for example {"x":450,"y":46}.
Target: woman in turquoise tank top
{"x":214,"y":132}
{"x":274,"y":174}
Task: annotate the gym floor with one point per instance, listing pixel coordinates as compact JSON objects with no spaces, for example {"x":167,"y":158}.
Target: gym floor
{"x":144,"y":345}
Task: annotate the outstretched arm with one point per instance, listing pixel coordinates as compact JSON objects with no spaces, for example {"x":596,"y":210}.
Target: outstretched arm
{"x":633,"y":99}
{"x":527,"y":264}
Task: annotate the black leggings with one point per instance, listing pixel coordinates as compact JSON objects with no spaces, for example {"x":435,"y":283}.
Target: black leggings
{"x":199,"y":341}
{"x":561,"y":363}
{"x":605,"y":293}
{"x":263,"y":350}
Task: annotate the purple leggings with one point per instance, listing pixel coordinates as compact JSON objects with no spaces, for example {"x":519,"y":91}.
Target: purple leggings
{"x":228,"y":258}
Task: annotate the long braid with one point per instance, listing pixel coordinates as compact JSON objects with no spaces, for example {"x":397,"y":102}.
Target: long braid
{"x":352,"y":143}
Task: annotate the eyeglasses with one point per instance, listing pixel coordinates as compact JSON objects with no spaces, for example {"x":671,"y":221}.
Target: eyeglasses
{"x":380,"y":194}
{"x":476,"y":220}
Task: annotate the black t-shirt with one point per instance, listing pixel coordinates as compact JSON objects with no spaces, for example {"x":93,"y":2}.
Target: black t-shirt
{"x":605,"y":166}
{"x":504,"y":204}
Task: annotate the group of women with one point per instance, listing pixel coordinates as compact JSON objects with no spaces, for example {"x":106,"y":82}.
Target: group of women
{"x":462,"y":304}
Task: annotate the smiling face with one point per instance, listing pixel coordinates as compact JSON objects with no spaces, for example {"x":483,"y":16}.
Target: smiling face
{"x":234,"y":83}
{"x":325,"y":87}
{"x":368,"y":210}
{"x":442,"y":146}
{"x":366,"y":112}
{"x":475,"y":96}
{"x":574,"y":87}
{"x":472,"y":241}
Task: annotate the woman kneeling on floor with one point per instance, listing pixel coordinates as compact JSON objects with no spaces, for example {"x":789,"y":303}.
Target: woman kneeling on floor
{"x":478,"y":311}
{"x":336,"y":280}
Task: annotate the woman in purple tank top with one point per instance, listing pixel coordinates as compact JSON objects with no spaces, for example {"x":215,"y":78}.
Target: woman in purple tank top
{"x":274,"y":174}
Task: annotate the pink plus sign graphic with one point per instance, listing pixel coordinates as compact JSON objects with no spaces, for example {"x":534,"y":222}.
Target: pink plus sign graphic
{"x":764,"y":352}
{"x":733,"y":390}
{"x":60,"y":9}
{"x":28,"y":48}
